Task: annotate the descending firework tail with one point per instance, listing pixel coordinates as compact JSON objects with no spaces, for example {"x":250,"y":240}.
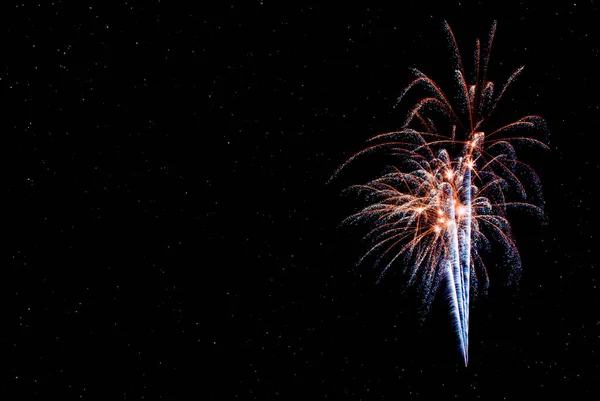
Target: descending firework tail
{"x":446,"y":198}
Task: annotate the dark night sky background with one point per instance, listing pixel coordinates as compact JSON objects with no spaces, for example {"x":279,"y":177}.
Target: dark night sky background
{"x":169,"y":233}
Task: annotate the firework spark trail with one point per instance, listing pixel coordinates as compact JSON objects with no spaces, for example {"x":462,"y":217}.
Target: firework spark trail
{"x":465,"y":257}
{"x":449,"y":195}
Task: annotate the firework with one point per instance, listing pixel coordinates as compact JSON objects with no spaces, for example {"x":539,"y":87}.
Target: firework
{"x":447,"y":197}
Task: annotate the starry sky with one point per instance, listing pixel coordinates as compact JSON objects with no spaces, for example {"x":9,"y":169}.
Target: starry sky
{"x":170,"y":232}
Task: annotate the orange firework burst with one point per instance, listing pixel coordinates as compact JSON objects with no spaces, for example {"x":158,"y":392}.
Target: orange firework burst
{"x":447,"y":196}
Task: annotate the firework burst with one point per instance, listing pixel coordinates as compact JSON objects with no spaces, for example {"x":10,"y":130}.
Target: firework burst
{"x":447,"y":197}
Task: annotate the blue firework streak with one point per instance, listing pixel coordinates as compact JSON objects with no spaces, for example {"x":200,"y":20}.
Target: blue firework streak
{"x":446,"y":198}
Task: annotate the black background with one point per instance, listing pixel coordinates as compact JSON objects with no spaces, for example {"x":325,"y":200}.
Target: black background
{"x":169,"y":233}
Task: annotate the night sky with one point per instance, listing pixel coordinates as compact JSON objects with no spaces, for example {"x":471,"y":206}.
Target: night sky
{"x":170,"y":232}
